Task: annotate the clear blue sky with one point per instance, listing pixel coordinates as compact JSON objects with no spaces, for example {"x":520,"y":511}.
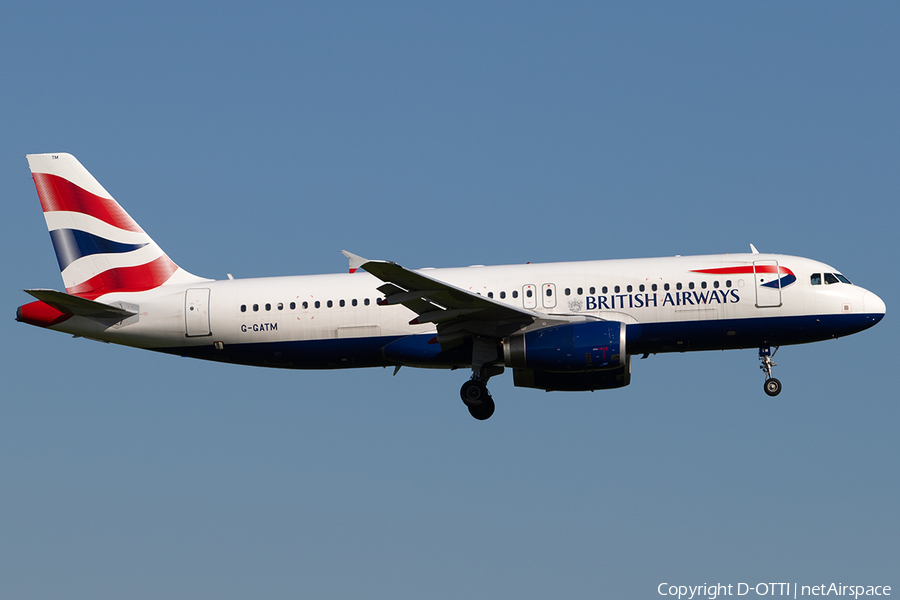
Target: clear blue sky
{"x":261,"y":138}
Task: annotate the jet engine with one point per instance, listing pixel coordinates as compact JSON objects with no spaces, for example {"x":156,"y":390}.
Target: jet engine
{"x":570,"y":357}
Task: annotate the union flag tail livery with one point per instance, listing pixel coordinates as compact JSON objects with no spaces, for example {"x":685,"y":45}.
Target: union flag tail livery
{"x":562,"y":326}
{"x":99,"y":247}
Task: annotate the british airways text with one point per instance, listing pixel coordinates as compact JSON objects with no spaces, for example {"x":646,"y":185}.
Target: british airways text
{"x":689,"y":298}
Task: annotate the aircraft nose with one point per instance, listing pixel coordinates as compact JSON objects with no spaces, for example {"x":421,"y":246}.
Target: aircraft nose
{"x":873,"y":305}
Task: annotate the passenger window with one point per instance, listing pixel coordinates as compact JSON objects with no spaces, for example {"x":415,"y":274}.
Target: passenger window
{"x":629,"y":289}
{"x":318,"y":304}
{"x":243,"y":308}
{"x":366,"y":301}
{"x":830,"y":278}
{"x":529,"y":294}
{"x":716,"y":284}
{"x":641,"y":288}
{"x":305,"y":305}
{"x":281,"y":306}
{"x":815,"y":279}
{"x":342,"y":303}
{"x":256,"y":308}
{"x":666,"y":287}
{"x":605,"y":290}
{"x":580,"y":291}
{"x":329,"y":304}
{"x":293,"y":305}
{"x":703,"y":284}
{"x":568,"y":292}
{"x":618,"y":289}
{"x":653,"y":287}
{"x":515,"y":293}
{"x":678,"y":286}
{"x":549,"y":292}
{"x":593,"y":290}
{"x":502,"y":295}
{"x":691,"y":285}
{"x":354,"y":302}
{"x":728,"y":283}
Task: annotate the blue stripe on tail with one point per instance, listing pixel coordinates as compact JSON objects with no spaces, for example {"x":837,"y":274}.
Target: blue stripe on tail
{"x":72,"y":244}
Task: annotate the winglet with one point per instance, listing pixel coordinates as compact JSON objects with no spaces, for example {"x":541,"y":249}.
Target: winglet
{"x":355,"y":261}
{"x":753,"y":249}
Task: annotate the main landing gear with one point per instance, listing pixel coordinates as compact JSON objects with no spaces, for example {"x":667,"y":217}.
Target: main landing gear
{"x":474,"y":392}
{"x":772,"y":385}
{"x":475,"y":396}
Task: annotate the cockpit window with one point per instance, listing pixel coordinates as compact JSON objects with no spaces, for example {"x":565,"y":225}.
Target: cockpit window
{"x":842,"y":279}
{"x":815,"y":279}
{"x":830,"y":278}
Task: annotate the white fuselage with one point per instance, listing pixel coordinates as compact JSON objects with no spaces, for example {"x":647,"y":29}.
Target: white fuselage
{"x":665,"y":297}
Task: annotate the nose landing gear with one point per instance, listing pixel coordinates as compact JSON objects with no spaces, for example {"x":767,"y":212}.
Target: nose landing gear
{"x":772,"y":386}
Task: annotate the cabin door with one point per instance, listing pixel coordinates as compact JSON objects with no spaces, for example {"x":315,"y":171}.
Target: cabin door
{"x":767,"y":283}
{"x":196,"y":312}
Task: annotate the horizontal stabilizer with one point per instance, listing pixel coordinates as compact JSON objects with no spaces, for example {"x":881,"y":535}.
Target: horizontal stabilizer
{"x":82,"y":307}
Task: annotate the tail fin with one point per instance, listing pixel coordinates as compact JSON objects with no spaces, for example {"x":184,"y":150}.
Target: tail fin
{"x":100,"y":249}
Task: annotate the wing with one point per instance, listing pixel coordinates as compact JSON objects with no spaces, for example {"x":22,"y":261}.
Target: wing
{"x":457,"y":313}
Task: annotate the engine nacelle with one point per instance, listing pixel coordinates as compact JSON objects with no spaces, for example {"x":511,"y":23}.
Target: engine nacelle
{"x":606,"y":379}
{"x":569,"y":348}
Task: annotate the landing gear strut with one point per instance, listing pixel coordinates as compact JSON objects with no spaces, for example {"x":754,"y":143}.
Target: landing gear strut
{"x":772,"y":385}
{"x":474,"y":392}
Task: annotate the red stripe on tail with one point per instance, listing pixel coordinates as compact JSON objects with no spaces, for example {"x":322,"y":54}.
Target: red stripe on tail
{"x":126,"y":279}
{"x":57,"y":193}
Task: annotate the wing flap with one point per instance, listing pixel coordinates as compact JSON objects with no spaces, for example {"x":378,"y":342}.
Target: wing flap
{"x":439,"y":316}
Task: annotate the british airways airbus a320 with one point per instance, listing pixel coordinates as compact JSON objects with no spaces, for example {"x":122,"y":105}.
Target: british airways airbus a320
{"x":561,"y":326}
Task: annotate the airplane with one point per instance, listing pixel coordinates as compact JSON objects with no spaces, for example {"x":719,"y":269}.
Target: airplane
{"x":568,"y":326}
